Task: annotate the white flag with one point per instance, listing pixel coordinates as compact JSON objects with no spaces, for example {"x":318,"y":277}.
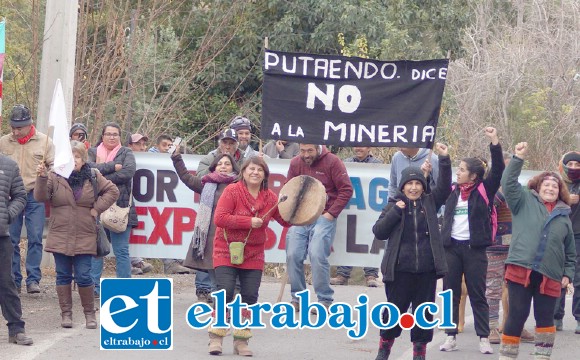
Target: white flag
{"x":64,"y":162}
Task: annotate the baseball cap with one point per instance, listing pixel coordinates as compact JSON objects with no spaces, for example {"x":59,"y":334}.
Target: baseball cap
{"x":137,"y":137}
{"x":229,"y":134}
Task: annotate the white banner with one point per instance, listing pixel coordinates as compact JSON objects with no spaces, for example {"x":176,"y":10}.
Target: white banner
{"x":166,"y":210}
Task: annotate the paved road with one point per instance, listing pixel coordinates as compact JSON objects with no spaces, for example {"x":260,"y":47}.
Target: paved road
{"x":53,"y":342}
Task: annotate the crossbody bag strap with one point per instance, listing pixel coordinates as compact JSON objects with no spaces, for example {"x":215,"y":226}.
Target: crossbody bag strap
{"x":245,"y":240}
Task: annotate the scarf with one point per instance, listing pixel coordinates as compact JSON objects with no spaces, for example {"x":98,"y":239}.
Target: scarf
{"x":569,"y":175}
{"x":104,"y":155}
{"x":550,"y":206}
{"x":466,"y":189}
{"x":25,"y":139}
{"x":77,"y":179}
{"x":210,"y":183}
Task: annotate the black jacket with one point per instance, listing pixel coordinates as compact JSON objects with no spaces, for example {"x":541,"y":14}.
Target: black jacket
{"x":13,"y":193}
{"x":478,"y":212}
{"x":122,"y":178}
{"x":393,"y":221}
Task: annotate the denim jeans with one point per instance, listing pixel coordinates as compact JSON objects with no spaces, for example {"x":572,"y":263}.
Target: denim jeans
{"x":78,"y":266}
{"x":33,"y":216}
{"x":9,"y":299}
{"x":120,"y":244}
{"x":205,"y":280}
{"x":314,"y":240}
{"x":345,"y":271}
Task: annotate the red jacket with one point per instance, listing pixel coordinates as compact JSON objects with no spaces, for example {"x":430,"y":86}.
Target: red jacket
{"x":330,"y":170}
{"x":234,"y":212}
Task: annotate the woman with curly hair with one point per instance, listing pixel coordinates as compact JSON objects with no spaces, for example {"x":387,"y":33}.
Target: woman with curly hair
{"x":542,"y":255}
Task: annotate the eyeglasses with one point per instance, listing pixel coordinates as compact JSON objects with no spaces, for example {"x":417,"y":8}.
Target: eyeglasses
{"x":240,"y":120}
{"x":111,"y":135}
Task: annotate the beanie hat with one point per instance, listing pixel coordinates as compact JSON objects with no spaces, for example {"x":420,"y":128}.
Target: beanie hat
{"x":240,"y":123}
{"x":571,"y":156}
{"x":77,"y":126}
{"x":412,"y":173}
{"x":20,"y":116}
{"x":569,"y":175}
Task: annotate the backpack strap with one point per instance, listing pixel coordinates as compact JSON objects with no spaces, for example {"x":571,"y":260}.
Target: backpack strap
{"x":483,"y":193}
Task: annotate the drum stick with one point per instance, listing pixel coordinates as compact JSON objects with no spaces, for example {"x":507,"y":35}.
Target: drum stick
{"x":282,"y":199}
{"x":283,"y":284}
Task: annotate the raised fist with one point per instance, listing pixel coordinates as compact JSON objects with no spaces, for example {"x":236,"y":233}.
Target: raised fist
{"x":442,"y":149}
{"x":491,"y":133}
{"x":521,"y":150}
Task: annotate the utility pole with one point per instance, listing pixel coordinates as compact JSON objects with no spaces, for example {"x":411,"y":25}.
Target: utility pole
{"x":58,"y":57}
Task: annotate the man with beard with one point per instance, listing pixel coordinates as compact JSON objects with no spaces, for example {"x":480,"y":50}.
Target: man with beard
{"x":315,"y":240}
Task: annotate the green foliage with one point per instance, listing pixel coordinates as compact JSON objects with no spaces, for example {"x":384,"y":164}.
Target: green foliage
{"x":19,"y":63}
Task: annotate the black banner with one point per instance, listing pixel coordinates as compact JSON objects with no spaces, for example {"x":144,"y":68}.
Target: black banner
{"x":347,"y":101}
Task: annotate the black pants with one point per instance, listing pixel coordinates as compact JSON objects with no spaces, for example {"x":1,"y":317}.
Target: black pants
{"x":462,"y":259}
{"x":561,"y":303}
{"x":250,"y":280}
{"x":520,"y":299}
{"x":410,"y":289}
{"x":9,"y":299}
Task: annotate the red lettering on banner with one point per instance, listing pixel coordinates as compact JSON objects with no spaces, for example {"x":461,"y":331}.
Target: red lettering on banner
{"x":160,"y":229}
{"x":183,"y":221}
{"x":276,"y":182}
{"x":282,"y":244}
{"x":139,"y":239}
{"x":179,"y":226}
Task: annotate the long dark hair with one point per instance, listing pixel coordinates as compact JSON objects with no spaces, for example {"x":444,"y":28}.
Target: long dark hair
{"x":477,"y":166}
{"x":256,"y":160}
{"x":215,"y":161}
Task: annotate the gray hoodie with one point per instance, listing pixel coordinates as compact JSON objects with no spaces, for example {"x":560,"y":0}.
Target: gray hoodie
{"x":401,"y":161}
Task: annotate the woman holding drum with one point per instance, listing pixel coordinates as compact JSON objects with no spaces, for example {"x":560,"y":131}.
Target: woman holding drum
{"x":242,"y":215}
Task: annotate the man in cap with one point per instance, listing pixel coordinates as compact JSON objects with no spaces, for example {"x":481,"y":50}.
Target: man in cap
{"x":12,"y":203}
{"x":138,"y":142}
{"x":29,"y":148}
{"x":79,"y":132}
{"x":243,"y":128}
{"x":315,"y":240}
{"x":228,"y":144}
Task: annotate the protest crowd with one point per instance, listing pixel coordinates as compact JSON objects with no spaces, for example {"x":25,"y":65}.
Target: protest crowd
{"x":531,"y":255}
{"x":502,"y":242}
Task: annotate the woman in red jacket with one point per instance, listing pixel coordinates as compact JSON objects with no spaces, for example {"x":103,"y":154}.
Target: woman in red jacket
{"x":241,"y":217}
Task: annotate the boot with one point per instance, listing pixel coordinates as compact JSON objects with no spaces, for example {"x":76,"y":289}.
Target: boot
{"x":509,"y":348}
{"x":385,"y":346}
{"x":216,"y":337}
{"x":419,"y":350}
{"x":88,"y":301}
{"x":241,"y":338}
{"x":215,"y":344}
{"x":544,"y":342}
{"x":64,"y":293}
